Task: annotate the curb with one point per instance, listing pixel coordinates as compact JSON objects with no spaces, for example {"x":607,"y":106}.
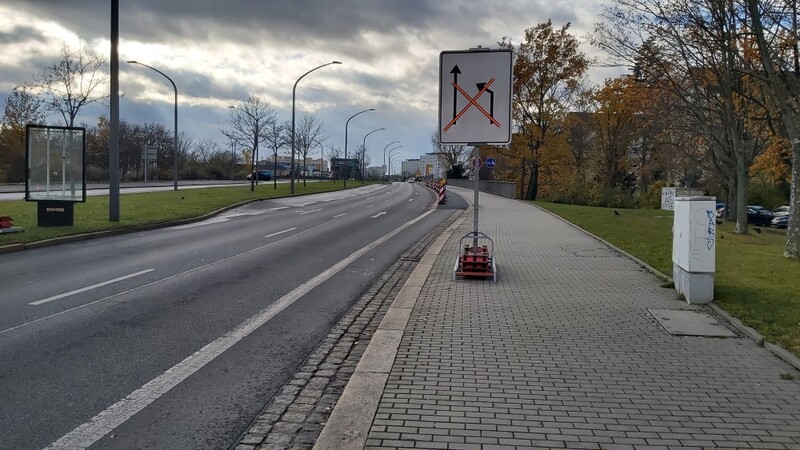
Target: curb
{"x":350,"y":421}
{"x":754,"y":335}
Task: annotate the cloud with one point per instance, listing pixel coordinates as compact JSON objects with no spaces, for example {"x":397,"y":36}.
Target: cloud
{"x":219,"y":52}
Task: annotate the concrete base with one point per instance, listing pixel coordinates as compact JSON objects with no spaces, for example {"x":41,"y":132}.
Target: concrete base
{"x":696,"y":287}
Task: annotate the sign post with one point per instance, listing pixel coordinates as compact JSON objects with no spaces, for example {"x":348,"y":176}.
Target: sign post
{"x":475,"y":98}
{"x":149,"y":153}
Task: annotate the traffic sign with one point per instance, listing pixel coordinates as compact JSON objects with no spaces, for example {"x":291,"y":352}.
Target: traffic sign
{"x":475,"y":96}
{"x":477,"y":162}
{"x":491,"y":162}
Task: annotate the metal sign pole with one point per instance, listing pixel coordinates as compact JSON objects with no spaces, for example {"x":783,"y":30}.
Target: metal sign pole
{"x":477,"y":164}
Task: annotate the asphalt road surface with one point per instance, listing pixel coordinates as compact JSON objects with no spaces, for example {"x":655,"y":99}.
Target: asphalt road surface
{"x":176,"y":338}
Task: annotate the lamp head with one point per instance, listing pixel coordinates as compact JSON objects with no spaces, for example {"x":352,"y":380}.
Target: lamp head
{"x":132,"y":62}
{"x":336,"y":62}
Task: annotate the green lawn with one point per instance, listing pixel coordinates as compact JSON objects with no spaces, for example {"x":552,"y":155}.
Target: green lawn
{"x":753,"y":282}
{"x":146,"y":208}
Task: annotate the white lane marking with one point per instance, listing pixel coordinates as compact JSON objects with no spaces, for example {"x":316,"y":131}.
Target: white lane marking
{"x":303,"y":213}
{"x":339,"y":215}
{"x":280,"y":232}
{"x":411,"y":199}
{"x":387,"y":201}
{"x":370,"y":206}
{"x":378,"y":215}
{"x":370,"y":198}
{"x":89,"y":288}
{"x":279,"y":207}
{"x":115,"y":415}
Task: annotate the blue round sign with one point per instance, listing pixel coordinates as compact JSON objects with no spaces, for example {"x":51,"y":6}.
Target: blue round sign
{"x":490,"y":162}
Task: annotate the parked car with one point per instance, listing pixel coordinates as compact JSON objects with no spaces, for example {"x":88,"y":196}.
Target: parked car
{"x":781,"y":221}
{"x":263,"y":175}
{"x":758,"y":215}
{"x":782,"y":211}
{"x":720,"y":209}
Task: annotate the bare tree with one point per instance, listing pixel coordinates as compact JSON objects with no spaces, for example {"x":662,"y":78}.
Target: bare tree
{"x":308,"y":135}
{"x":73,"y":82}
{"x":452,"y":155}
{"x":277,"y":136}
{"x":248,"y":124}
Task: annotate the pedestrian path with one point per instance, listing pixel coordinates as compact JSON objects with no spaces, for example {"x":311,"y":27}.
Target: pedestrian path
{"x":562,"y":352}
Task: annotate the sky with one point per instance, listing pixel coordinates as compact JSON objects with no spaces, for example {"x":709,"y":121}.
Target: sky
{"x":219,"y":52}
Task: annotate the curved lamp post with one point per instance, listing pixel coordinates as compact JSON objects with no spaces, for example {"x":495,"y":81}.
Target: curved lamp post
{"x":384,"y":158}
{"x":175,"y":150}
{"x":291,"y":163}
{"x":345,"y":142}
{"x":390,"y":158}
{"x":253,"y":175}
{"x":364,"y":156}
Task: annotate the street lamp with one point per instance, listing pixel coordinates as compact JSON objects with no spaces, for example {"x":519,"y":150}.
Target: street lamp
{"x":364,"y":156}
{"x":384,"y":157}
{"x":175,"y":150}
{"x":253,"y":174}
{"x":291,"y":163}
{"x":390,"y":158}
{"x":345,"y":142}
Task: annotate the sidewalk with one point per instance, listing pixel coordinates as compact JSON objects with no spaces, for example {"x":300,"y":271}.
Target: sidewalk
{"x":561,"y":352}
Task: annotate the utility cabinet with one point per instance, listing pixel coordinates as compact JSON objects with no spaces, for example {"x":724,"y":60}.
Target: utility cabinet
{"x":694,"y":245}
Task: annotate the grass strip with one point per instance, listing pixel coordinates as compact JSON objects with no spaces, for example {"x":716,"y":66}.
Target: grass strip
{"x":145,"y":208}
{"x":753,"y":281}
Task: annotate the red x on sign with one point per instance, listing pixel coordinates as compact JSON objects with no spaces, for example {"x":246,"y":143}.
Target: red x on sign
{"x":470,"y":116}
{"x":473,"y":101}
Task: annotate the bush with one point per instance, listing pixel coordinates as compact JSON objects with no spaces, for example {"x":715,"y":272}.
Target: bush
{"x":769,"y":196}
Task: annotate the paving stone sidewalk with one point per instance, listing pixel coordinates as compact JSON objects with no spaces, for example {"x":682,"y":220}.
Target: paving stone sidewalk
{"x":562,"y":353}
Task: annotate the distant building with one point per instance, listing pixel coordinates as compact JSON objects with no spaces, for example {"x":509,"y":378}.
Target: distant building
{"x":432,"y":166}
{"x":344,"y":168}
{"x":411,"y":168}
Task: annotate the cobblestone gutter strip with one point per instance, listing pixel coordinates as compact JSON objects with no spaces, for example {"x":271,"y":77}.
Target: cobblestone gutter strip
{"x":296,"y":415}
{"x":735,"y":323}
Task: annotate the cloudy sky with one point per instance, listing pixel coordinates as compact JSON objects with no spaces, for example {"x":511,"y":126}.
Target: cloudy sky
{"x":220,"y":51}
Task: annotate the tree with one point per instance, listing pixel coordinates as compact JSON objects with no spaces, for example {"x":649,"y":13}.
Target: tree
{"x":309,"y":134}
{"x":248,"y":125}
{"x":774,"y":26}
{"x":334,"y":152}
{"x":547,"y":69}
{"x":452,"y":155}
{"x":22,"y":108}
{"x":276,"y":137}
{"x":701,"y":55}
{"x":73,"y":82}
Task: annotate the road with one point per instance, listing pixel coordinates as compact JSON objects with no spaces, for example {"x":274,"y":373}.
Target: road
{"x":176,"y":338}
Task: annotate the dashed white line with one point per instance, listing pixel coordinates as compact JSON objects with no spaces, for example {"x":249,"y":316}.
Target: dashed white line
{"x":370,"y":206}
{"x":89,"y":288}
{"x":303,"y":213}
{"x":115,"y":415}
{"x":339,"y":215}
{"x":280,"y":232}
{"x":382,"y":213}
{"x":279,"y":207}
{"x":411,"y":199}
{"x":370,"y":198}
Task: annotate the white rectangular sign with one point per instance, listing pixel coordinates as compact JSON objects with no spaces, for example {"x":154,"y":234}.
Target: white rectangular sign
{"x":475,"y":96}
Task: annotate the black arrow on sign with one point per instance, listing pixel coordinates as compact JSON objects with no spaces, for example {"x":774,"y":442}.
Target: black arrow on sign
{"x":491,"y":98}
{"x":455,"y":73}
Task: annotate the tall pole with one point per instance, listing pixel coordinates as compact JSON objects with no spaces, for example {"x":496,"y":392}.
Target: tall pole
{"x":175,"y":126}
{"x":113,"y":151}
{"x":390,"y":158}
{"x":384,"y":158}
{"x":291,"y":163}
{"x":364,"y":156}
{"x":346,"y":162}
